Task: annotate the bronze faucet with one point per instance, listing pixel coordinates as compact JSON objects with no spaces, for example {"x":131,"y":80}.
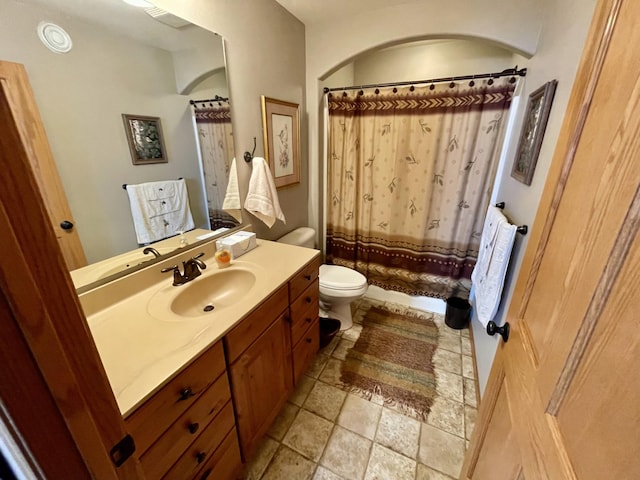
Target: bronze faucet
{"x":155,"y":252}
{"x":191,"y":270}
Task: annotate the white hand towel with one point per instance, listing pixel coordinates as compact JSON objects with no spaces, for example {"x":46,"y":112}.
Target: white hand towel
{"x":159,"y":209}
{"x":488,"y":275}
{"x":262,"y":198}
{"x":231,"y":203}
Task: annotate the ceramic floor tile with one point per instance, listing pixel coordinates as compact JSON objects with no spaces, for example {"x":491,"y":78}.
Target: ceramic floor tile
{"x":308,"y":435}
{"x":299,"y":395}
{"x":328,"y":350}
{"x":385,"y":464}
{"x":283,"y":421}
{"x":318,"y":364}
{"x":449,"y":385}
{"x":343,"y":347}
{"x":466,"y":345}
{"x":449,"y":341}
{"x":465,"y":332}
{"x":331,"y":372}
{"x":447,"y":415}
{"x":325,"y":400}
{"x":441,"y":451}
{"x":324,"y":474}
{"x":470,"y":415}
{"x":470,"y":397}
{"x":260,"y":461}
{"x":287,"y":465}
{"x":399,"y":433}
{"x":467,"y":367}
{"x":353,"y":333}
{"x":360,"y":416}
{"x":425,"y":473}
{"x":347,"y":454}
{"x":448,"y":361}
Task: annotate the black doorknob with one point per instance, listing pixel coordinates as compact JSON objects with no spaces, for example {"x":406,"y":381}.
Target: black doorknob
{"x":66,"y":225}
{"x":493,"y":328}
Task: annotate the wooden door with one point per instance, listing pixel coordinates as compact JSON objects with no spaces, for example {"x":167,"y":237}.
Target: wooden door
{"x":563,"y":398}
{"x":53,"y":389}
{"x":15,"y":83}
{"x":261,"y":381}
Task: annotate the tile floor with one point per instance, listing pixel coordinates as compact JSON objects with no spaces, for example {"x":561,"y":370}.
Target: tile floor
{"x":326,"y":433}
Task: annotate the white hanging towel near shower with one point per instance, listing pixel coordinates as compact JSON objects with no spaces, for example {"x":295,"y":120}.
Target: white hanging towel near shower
{"x":262,"y":198}
{"x":491,"y":267}
{"x":159,"y":209}
{"x":231,"y":203}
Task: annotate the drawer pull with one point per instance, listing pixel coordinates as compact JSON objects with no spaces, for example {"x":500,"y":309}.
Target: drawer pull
{"x":308,"y":299}
{"x":206,"y":474}
{"x":307,"y":277}
{"x":193,"y":427}
{"x":308,"y":340}
{"x":200,"y":457}
{"x":309,"y":320}
{"x":186,"y":394}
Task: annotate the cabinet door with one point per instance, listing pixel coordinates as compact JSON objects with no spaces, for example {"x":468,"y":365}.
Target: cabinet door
{"x":261,"y":381}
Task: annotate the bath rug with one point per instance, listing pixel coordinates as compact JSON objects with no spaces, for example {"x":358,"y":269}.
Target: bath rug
{"x":393,"y":359}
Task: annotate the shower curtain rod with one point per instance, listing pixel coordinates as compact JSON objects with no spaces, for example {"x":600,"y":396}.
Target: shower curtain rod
{"x":505,"y":73}
{"x":217,"y":98}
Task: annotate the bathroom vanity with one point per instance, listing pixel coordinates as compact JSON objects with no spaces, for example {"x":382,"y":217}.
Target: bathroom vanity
{"x":199,"y":387}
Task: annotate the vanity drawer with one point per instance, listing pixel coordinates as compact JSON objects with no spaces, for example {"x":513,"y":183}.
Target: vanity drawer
{"x":249,"y":329}
{"x":303,"y":278}
{"x":162,"y":454}
{"x":305,"y":350}
{"x":304,"y":310}
{"x":149,"y":421}
{"x":225,"y":462}
{"x":201,"y":451}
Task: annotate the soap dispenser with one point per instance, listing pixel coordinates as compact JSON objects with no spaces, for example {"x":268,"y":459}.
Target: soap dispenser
{"x":223,"y":255}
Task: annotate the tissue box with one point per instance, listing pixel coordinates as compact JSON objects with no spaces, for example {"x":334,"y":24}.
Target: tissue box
{"x":240,"y":243}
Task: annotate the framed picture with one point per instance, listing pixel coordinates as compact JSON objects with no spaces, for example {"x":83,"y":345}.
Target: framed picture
{"x":281,"y":130}
{"x":535,"y":123}
{"x":144,"y":135}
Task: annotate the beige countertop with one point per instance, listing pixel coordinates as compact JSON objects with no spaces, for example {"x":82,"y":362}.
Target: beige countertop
{"x":142,"y":346}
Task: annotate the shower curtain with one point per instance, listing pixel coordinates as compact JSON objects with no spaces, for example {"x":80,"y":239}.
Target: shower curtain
{"x":409,"y":176}
{"x":215,"y":139}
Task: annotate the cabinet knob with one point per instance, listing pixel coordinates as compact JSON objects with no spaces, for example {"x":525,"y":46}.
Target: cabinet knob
{"x":309,"y":320}
{"x":206,"y":474}
{"x":66,"y":225}
{"x":193,"y":427}
{"x":308,"y":340}
{"x":308,"y":299}
{"x":307,"y":277}
{"x":186,"y":393}
{"x":201,"y":456}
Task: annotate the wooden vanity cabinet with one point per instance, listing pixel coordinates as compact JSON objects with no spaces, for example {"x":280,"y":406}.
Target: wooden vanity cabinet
{"x":261,"y":374}
{"x":305,"y":326}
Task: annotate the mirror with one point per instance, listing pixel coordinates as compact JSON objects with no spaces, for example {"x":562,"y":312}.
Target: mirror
{"x":124,"y":61}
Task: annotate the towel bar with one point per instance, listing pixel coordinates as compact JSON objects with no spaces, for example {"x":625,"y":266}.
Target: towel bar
{"x":124,"y":185}
{"x":522,"y":229}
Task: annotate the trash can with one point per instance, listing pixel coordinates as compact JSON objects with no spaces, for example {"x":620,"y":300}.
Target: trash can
{"x":328,"y":329}
{"x":457,"y":313}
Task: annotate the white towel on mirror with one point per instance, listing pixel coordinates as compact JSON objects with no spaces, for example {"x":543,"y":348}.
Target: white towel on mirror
{"x":488,"y":275}
{"x":262,"y":198}
{"x":159,"y":209}
{"x":231,"y":203}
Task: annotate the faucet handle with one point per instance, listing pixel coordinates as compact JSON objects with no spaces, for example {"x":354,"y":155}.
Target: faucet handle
{"x":178,"y":279}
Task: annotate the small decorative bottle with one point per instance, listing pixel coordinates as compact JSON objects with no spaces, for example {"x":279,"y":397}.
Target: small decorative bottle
{"x":223,"y":255}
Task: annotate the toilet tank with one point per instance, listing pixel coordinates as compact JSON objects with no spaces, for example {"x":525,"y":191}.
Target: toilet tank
{"x":302,"y":237}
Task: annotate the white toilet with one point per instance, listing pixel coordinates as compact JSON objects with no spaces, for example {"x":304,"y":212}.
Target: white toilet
{"x":339,"y":286}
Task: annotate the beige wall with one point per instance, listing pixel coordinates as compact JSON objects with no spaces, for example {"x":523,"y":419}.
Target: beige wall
{"x":561,"y":43}
{"x":81,"y":96}
{"x":434,"y":59}
{"x":265,"y":52}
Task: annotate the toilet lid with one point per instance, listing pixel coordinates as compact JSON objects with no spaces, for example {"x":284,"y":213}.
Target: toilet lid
{"x":341,"y":278}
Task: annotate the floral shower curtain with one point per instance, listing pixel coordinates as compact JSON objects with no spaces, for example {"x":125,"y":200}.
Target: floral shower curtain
{"x":409,"y":176}
{"x":215,"y":138}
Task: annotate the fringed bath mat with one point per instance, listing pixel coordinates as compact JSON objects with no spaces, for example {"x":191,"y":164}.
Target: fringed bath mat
{"x":393,"y":358}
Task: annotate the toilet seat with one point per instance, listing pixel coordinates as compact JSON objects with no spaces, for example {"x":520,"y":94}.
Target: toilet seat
{"x":343,"y":279}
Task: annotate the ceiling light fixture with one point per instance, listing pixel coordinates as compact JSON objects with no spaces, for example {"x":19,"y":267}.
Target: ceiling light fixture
{"x":139,"y":3}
